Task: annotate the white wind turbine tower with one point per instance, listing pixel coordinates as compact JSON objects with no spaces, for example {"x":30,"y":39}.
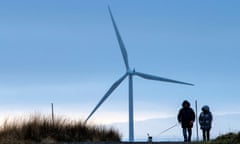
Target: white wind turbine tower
{"x":130,"y":73}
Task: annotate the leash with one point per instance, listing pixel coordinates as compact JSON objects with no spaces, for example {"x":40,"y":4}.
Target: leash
{"x":169,"y":128}
{"x":150,"y":137}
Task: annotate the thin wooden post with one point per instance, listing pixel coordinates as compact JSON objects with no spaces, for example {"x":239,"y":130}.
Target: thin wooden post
{"x":196,"y":119}
{"x":52,"y":113}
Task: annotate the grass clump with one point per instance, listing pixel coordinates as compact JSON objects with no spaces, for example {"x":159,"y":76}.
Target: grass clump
{"x":229,"y":138}
{"x":41,"y":129}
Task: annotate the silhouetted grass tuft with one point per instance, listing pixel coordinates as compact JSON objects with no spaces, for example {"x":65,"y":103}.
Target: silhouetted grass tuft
{"x":39,"y":128}
{"x":230,"y":138}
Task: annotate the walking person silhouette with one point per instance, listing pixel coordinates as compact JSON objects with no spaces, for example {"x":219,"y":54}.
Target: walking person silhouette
{"x":186,"y":117}
{"x":205,"y":121}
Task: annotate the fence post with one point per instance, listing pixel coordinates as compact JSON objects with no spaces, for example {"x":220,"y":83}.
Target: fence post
{"x":196,"y":119}
{"x":52,"y":114}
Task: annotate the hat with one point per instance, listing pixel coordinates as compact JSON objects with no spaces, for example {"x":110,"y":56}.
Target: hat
{"x":185,"y":102}
{"x":205,"y":108}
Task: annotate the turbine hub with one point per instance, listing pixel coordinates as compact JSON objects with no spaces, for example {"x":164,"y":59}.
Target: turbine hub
{"x":131,"y":71}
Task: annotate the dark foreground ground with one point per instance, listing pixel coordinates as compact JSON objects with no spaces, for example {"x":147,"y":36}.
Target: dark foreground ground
{"x":127,"y":143}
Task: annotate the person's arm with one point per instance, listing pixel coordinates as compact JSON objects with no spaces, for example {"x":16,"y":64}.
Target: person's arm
{"x":211,"y":117}
{"x":193,"y":115}
{"x":200,"y":119}
{"x":179,"y":117}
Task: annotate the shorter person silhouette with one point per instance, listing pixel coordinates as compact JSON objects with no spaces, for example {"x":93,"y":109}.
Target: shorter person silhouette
{"x":205,"y":121}
{"x":186,"y":117}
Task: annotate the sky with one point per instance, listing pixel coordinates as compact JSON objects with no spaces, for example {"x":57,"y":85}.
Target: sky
{"x":66,"y":53}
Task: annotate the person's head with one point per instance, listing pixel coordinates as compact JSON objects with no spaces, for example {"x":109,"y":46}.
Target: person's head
{"x":205,"y":108}
{"x":185,"y":104}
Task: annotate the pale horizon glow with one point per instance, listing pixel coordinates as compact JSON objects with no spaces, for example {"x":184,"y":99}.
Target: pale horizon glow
{"x":102,"y":118}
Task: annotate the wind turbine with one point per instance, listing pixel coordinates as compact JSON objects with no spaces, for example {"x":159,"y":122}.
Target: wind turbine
{"x":130,"y":73}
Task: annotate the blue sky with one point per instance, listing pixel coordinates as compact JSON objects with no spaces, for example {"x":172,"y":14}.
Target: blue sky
{"x":66,"y":52}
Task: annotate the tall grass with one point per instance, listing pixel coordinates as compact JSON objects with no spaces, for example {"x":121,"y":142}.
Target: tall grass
{"x":229,"y":138}
{"x":39,"y":128}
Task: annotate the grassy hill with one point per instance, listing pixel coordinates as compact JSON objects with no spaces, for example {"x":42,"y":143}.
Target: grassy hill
{"x":230,"y":138}
{"x":41,"y":129}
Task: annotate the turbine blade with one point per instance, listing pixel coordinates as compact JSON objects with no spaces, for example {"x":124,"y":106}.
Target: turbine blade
{"x":152,"y":77}
{"x":112,"y":88}
{"x":120,"y":41}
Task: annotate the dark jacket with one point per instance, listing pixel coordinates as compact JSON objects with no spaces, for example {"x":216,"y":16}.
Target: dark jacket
{"x":186,"y":117}
{"x":205,"y":118}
